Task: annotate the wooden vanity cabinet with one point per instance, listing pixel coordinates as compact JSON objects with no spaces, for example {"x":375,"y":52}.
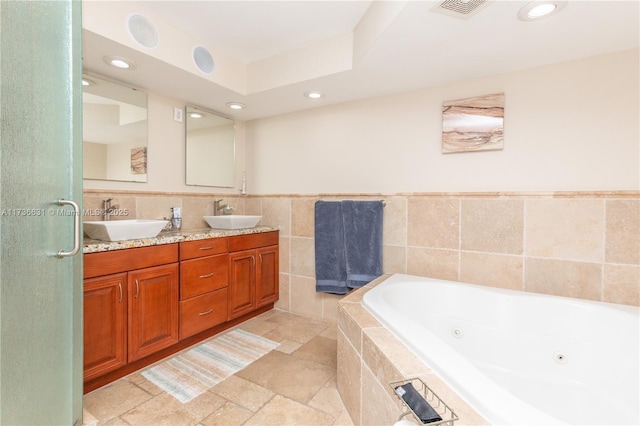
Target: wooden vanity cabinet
{"x":253,"y":272}
{"x":105,"y":324}
{"x":204,"y":277}
{"x":144,"y":304}
{"x":130,"y":306}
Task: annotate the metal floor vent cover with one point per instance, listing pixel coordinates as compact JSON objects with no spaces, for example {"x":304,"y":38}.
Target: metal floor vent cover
{"x":463,"y":9}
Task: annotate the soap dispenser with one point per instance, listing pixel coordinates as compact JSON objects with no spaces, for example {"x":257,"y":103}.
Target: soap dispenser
{"x":176,"y":218}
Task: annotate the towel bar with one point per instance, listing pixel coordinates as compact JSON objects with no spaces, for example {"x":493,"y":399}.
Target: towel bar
{"x":384,"y":203}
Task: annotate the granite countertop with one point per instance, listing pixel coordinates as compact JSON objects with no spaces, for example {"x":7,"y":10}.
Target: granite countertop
{"x":170,"y":237}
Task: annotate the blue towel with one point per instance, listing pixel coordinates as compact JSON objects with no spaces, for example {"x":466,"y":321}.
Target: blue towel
{"x":362,"y":221}
{"x":331,"y":270}
{"x":348,"y":243}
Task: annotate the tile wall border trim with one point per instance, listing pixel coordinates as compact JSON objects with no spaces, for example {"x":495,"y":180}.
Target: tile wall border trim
{"x":630,"y":194}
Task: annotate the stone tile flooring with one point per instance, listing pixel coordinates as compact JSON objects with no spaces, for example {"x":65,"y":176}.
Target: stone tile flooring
{"x":294,"y":384}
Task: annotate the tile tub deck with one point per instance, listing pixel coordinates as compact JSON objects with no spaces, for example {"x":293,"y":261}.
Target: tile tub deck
{"x":370,"y":357}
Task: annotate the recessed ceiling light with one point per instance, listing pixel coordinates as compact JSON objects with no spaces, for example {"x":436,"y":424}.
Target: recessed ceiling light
{"x":314,"y":94}
{"x":119,"y":62}
{"x":235,"y":105}
{"x":540,"y":9}
{"x":196,"y":115}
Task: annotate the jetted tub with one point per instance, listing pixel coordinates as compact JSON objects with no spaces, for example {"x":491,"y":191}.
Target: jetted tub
{"x":519,"y":358}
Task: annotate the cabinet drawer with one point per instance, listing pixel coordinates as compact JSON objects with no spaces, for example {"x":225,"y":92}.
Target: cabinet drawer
{"x":203,"y":312}
{"x":112,"y":262}
{"x":199,"y":276}
{"x":250,"y":241}
{"x":200,"y":248}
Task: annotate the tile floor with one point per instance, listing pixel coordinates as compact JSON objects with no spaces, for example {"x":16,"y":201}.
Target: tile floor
{"x":294,"y":384}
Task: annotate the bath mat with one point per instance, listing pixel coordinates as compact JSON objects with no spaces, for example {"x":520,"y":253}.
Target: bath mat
{"x":191,"y":373}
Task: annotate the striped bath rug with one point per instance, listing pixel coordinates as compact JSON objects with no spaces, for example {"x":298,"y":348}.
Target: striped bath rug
{"x":193,"y":372}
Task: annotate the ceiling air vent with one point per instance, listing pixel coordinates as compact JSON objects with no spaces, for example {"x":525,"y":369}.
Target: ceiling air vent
{"x":463,"y":9}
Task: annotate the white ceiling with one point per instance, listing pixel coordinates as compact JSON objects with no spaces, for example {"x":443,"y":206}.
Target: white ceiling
{"x":413,"y":48}
{"x":254,"y":30}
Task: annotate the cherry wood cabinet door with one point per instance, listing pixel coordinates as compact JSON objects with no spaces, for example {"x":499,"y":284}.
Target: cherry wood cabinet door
{"x":153,"y":310}
{"x":242,"y":283}
{"x":105,"y":324}
{"x":267,"y":279}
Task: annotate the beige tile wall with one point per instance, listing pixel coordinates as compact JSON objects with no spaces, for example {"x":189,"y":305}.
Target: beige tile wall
{"x":583,"y":245}
{"x":157,"y":205}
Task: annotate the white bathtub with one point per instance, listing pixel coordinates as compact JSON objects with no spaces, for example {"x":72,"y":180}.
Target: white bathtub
{"x":519,"y":358}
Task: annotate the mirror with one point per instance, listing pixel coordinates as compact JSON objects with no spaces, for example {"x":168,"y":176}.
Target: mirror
{"x":114,"y":131}
{"x":210,"y":149}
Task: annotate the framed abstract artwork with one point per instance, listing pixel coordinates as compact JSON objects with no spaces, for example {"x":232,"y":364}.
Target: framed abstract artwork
{"x":473,"y":124}
{"x":139,"y":161}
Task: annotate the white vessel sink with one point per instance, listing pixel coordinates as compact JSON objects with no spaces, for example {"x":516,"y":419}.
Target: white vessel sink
{"x":234,"y":221}
{"x":117,"y":230}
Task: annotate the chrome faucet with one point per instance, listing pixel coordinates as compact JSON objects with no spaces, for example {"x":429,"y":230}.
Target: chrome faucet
{"x":226,"y":208}
{"x":107,"y":208}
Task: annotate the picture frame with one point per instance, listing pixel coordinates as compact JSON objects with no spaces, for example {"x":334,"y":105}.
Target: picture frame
{"x":473,"y":124}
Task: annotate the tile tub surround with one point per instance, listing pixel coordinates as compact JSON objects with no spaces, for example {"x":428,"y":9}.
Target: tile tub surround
{"x":370,"y":357}
{"x":578,"y":244}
